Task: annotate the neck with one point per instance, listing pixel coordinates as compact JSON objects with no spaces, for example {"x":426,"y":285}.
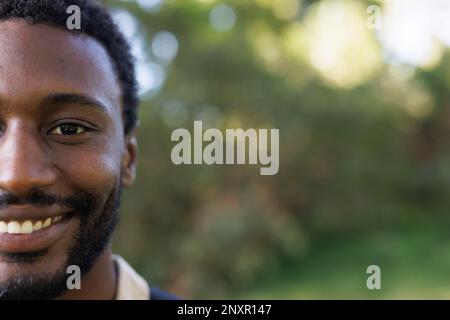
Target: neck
{"x":98,"y":284}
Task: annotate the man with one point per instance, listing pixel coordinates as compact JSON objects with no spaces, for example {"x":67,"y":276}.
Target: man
{"x":67,"y":146}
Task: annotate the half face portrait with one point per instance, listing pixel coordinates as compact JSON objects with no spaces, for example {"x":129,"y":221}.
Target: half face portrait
{"x":68,"y":114}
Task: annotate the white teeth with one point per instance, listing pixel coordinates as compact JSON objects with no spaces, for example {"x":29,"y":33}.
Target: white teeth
{"x":47,"y":222}
{"x":3,"y":227}
{"x":37,"y":226}
{"x":27,"y":226}
{"x":13,"y":227}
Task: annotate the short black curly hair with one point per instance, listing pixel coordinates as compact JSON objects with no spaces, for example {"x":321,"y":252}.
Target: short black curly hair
{"x":97,"y":22}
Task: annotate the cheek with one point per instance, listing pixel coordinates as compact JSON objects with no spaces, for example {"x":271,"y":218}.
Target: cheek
{"x":93,"y":169}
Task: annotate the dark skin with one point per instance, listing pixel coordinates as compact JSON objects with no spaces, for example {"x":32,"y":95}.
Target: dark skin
{"x":50,"y":77}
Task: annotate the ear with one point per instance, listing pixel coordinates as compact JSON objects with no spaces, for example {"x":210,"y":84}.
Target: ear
{"x":129,"y":159}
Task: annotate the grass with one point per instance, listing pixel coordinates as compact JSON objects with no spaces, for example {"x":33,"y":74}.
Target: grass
{"x":414,"y":262}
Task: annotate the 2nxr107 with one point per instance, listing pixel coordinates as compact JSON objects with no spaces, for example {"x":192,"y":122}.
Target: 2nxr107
{"x":235,"y":309}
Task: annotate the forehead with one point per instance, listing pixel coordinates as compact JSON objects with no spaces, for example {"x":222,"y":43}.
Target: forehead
{"x":37,"y":60}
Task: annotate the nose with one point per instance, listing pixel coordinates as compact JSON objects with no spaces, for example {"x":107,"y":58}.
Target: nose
{"x":24,"y":164}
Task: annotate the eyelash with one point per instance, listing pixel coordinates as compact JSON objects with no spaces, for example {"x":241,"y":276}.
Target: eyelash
{"x":72,"y":125}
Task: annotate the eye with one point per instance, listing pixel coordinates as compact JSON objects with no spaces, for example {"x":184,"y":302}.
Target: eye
{"x":69,"y":129}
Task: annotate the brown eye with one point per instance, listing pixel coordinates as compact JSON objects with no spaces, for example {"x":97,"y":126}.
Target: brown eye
{"x":68,"y":129}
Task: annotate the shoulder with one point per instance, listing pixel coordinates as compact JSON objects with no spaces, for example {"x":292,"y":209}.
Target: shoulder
{"x":132,"y":286}
{"x":158,"y":294}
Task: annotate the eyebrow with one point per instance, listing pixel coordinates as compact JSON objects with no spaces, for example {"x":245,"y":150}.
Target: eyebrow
{"x":74,"y":98}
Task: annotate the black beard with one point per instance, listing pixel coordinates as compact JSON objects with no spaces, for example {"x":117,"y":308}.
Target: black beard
{"x":92,"y":239}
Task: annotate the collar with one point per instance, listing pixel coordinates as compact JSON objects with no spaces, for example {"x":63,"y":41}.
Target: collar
{"x":130,"y":285}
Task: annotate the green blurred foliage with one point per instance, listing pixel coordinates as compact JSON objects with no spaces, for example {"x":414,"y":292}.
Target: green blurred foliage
{"x":352,"y":160}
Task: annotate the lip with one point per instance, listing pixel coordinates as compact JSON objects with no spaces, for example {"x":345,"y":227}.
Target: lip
{"x":38,"y":240}
{"x":25,"y":212}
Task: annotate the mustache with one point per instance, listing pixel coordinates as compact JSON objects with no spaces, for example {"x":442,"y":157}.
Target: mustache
{"x":79,"y":201}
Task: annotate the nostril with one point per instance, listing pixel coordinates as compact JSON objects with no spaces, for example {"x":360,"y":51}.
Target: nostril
{"x":21,"y":177}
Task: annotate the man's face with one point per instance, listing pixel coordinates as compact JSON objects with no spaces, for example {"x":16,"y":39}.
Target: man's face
{"x":62,"y":154}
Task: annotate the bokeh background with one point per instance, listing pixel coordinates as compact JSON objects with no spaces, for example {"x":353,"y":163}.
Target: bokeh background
{"x":364,"y":119}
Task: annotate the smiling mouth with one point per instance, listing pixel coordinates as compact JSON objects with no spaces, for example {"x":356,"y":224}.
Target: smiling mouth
{"x":22,"y":231}
{"x":28,"y":226}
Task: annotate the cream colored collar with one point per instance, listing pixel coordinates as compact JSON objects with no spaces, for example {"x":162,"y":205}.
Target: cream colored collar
{"x":130,"y":286}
